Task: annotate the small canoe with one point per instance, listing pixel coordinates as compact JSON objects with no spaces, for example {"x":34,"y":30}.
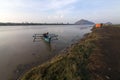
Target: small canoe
{"x":47,"y":39}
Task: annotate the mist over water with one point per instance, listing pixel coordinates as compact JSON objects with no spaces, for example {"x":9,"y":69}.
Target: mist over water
{"x":18,"y":48}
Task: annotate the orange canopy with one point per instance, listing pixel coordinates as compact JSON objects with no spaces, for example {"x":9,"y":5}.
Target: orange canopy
{"x":98,"y":25}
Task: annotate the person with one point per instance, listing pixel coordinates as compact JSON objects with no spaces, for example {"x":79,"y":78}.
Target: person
{"x":45,"y":35}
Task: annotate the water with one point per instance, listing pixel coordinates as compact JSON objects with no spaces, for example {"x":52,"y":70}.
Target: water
{"x":19,"y":51}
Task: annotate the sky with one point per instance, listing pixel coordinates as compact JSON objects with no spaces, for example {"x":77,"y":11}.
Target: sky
{"x":58,"y":11}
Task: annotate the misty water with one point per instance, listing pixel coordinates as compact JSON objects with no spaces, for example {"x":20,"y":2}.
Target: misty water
{"x":18,"y":50}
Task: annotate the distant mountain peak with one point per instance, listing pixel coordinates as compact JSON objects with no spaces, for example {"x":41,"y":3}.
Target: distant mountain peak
{"x":109,"y":23}
{"x":84,"y":22}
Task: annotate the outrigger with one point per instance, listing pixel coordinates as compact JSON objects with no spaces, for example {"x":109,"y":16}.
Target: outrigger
{"x":46,"y":37}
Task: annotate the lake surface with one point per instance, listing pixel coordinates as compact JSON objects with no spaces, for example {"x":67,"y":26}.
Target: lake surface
{"x":18,"y":51}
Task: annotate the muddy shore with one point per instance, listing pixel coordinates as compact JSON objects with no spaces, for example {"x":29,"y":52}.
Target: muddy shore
{"x":95,"y":57}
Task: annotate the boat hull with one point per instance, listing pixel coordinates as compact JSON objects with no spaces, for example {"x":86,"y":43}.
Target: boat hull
{"x":46,"y":39}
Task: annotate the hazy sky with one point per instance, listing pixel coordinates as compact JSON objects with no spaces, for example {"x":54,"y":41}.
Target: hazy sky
{"x":59,"y":10}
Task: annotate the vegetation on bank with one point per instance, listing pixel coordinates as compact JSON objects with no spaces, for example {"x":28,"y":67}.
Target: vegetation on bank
{"x":69,"y":66}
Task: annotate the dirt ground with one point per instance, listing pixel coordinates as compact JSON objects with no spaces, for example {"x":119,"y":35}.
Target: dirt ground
{"x":105,"y":60}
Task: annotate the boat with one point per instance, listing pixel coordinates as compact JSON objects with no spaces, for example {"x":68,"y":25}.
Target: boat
{"x":47,"y":39}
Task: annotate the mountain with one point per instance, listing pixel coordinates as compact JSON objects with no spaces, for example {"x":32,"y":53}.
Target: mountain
{"x":84,"y":22}
{"x":108,"y":23}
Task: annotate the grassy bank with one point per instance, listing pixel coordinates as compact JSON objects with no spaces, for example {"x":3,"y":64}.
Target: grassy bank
{"x":83,"y":61}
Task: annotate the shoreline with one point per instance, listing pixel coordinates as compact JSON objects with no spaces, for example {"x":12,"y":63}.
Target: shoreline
{"x":22,"y":69}
{"x":52,"y":50}
{"x":84,"y":60}
{"x":62,"y":53}
{"x":30,"y":24}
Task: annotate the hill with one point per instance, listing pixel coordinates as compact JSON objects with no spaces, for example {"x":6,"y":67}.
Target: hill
{"x":84,"y":22}
{"x":108,"y":23}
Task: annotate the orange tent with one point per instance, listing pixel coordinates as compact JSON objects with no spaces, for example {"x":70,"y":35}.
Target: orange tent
{"x":98,"y":25}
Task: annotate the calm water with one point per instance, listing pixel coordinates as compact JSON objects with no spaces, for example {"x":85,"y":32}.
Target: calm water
{"x":17,"y":48}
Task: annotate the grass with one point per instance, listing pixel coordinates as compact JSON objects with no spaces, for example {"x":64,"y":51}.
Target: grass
{"x":73,"y":65}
